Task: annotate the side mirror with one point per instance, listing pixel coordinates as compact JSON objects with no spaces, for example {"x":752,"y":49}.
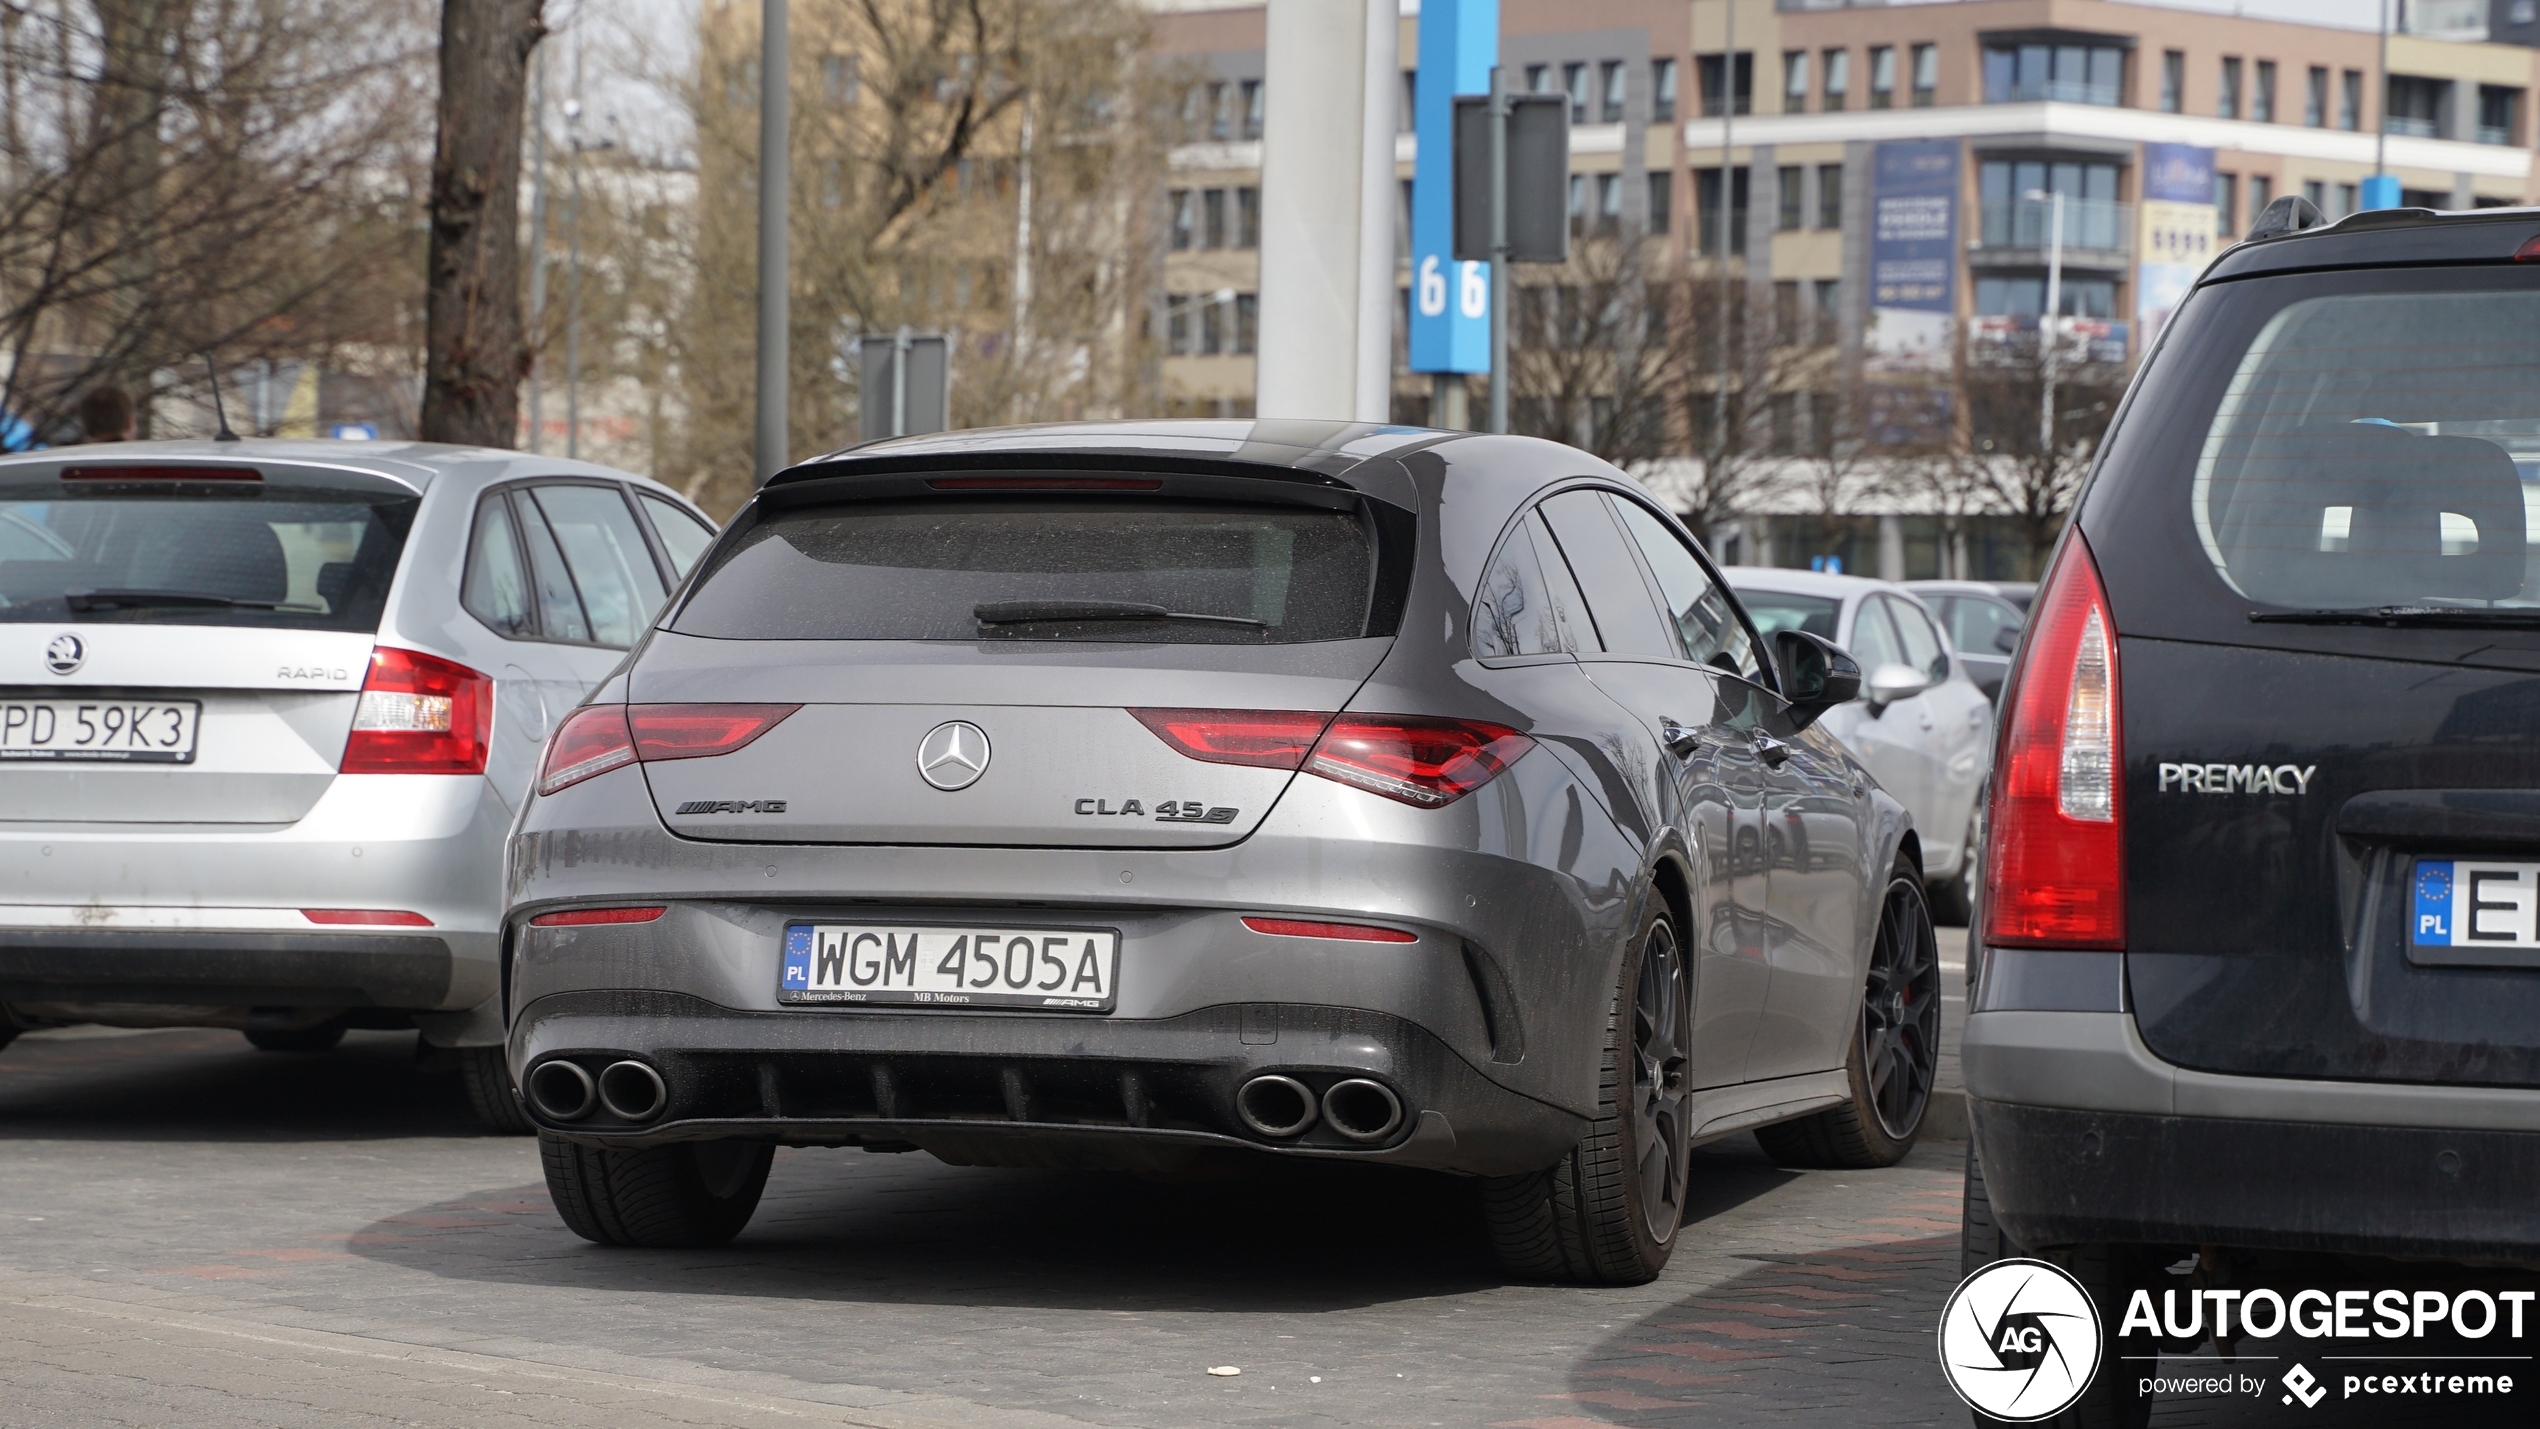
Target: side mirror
{"x":1890,"y":683}
{"x":1817,"y":674}
{"x":2007,"y":639}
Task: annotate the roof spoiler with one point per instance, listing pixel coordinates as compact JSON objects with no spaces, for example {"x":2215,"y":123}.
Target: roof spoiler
{"x":2289,"y":214}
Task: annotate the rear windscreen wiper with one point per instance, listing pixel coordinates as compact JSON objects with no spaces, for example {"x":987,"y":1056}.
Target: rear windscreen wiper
{"x":88,"y":600}
{"x":1030,"y":612}
{"x":2464,"y":616}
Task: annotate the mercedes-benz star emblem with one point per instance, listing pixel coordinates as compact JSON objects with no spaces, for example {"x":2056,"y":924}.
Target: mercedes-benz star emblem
{"x":65,"y":653}
{"x":953,"y":755}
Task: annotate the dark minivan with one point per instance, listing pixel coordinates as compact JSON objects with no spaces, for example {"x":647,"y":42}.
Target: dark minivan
{"x":2259,"y":974}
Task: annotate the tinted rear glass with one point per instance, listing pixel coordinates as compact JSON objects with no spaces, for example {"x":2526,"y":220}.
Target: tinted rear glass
{"x":236,"y":554}
{"x":922,"y":570}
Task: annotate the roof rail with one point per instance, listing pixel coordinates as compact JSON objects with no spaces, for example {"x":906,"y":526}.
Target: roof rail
{"x":2289,"y":214}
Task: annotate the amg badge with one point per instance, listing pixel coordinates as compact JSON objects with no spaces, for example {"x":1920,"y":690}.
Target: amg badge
{"x":733,"y":806}
{"x":1167,"y":812}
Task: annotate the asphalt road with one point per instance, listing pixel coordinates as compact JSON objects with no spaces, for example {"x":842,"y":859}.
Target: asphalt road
{"x":196,"y":1234}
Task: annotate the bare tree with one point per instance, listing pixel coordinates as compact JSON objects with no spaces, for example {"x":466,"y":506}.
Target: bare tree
{"x":475,"y":353}
{"x":2005,"y":461}
{"x":1727,"y":388}
{"x":1590,"y":352}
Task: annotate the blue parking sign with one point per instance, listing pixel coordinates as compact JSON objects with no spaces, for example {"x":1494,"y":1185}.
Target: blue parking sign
{"x":1450,"y":301}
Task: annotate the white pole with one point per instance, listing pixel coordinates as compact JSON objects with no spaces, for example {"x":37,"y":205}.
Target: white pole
{"x":1376,"y":202}
{"x":537,"y":240}
{"x":1313,"y":189}
{"x":1021,"y":337}
{"x":774,"y":260}
{"x":2051,"y":320}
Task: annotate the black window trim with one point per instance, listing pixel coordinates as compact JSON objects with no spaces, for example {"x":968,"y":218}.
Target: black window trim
{"x":1515,"y":530}
{"x":510,"y":491}
{"x":1702,"y":558}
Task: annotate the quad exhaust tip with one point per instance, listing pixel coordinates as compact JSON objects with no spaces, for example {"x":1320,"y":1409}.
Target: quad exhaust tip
{"x":1362,"y":1110}
{"x":1276,"y":1106}
{"x":632,"y":1091}
{"x":562,"y":1090}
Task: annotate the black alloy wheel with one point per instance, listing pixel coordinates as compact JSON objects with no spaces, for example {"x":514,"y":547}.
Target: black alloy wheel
{"x":1662,"y":1093}
{"x":1900,"y":1013}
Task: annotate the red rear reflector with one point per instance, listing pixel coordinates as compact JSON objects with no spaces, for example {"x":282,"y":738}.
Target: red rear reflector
{"x":1427,"y":762}
{"x":592,"y":917}
{"x":140,"y":472}
{"x":2054,"y":858}
{"x":2529,"y":252}
{"x":592,"y":741}
{"x":1266,"y":739}
{"x":1045,"y":483}
{"x":700,"y":731}
{"x":419,"y":714}
{"x":1346,"y":932}
{"x":366,"y":917}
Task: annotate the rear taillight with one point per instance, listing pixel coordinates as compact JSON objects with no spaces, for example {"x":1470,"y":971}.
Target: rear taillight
{"x":1418,"y":760}
{"x":598,"y":738}
{"x":2054,"y":848}
{"x":365,"y":918}
{"x":596,"y":917}
{"x":419,"y":714}
{"x":1317,"y":928}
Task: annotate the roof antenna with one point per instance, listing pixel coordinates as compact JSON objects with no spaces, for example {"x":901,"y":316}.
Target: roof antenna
{"x":219,"y":413}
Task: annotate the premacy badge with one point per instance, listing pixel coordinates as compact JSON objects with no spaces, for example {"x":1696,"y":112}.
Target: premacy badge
{"x":2019,"y":1340}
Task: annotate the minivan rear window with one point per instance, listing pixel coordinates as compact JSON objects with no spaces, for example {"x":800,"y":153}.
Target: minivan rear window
{"x":2379,"y":449}
{"x":1140,"y":571}
{"x":237,"y":554}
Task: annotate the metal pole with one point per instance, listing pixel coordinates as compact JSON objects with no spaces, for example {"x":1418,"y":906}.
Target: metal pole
{"x":537,"y":241}
{"x":2052,"y":319}
{"x":900,"y":346}
{"x":2381,"y":105}
{"x":573,"y":310}
{"x":1728,"y":206}
{"x":1498,"y":249}
{"x":773,"y":260}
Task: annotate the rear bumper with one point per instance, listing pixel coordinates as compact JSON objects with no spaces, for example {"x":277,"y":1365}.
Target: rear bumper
{"x":163,"y":968}
{"x":1028,"y":1089}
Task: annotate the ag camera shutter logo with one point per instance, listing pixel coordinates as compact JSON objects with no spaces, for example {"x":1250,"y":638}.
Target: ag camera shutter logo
{"x":2019,"y":1340}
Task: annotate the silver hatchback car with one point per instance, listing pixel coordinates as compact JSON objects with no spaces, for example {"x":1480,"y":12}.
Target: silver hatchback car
{"x":1117,"y":796}
{"x":266,"y":711}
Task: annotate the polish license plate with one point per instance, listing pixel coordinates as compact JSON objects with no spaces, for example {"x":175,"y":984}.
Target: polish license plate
{"x":2466,"y":907}
{"x":929,"y":965}
{"x":118,"y":731}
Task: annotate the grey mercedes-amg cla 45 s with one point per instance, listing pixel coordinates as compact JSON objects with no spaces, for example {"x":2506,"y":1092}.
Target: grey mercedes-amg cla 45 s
{"x":1127,"y":796}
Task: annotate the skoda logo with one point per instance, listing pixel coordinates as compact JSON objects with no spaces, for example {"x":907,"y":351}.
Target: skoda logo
{"x":65,"y":653}
{"x":953,"y":755}
{"x":2019,"y":1340}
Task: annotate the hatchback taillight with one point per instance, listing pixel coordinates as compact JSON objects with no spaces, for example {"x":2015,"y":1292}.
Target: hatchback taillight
{"x":598,"y":738}
{"x":419,"y":714}
{"x":2055,"y":835}
{"x":1416,"y":759}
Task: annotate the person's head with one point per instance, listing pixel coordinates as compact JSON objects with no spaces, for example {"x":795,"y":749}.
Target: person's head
{"x":105,"y":415}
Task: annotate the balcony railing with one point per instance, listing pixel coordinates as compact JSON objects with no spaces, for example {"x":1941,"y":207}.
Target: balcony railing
{"x":2410,"y":127}
{"x":2495,"y":134}
{"x":2096,"y":224}
{"x":2060,"y":91}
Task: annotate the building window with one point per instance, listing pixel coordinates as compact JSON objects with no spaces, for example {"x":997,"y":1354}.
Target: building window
{"x":2226,"y":203}
{"x":1249,"y":99}
{"x":1212,"y":329}
{"x":1662,"y":202}
{"x":1784,"y":408}
{"x":1838,"y":79}
{"x":1185,"y":205}
{"x":1830,"y":195}
{"x":1706,"y":202}
{"x":2071,"y":74}
{"x":1612,"y":89}
{"x":2262,"y":99}
{"x":840,"y":79}
{"x":1247,"y":218}
{"x":1609,"y":203}
{"x":1537,"y":78}
{"x":2261,"y":193}
{"x":2011,"y":219}
{"x":1574,"y":82}
{"x":1792,"y":202}
{"x":2350,"y":100}
{"x":1882,"y":76}
{"x":2499,"y":114}
{"x":2014,"y":296}
{"x":1794,"y":81}
{"x":1707,"y":68}
{"x":1662,"y":91}
{"x":1221,"y":117}
{"x":1247,"y":323}
{"x":2316,"y":193}
{"x":2173,"y":81}
{"x":2348,"y":200}
{"x":2228,"y":105}
{"x":2315,"y":98}
{"x":1212,"y":218}
{"x":1578,"y":204}
{"x":2414,"y":106}
{"x":1829,"y":314}
{"x":1406,"y":115}
{"x":1926,"y":75}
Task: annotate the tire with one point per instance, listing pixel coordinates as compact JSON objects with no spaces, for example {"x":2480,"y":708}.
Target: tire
{"x":2108,"y":1273}
{"x":1895,"y":1052}
{"x":685,"y":1196}
{"x":321,"y":1038}
{"x":490,"y":1094}
{"x":1607,"y":1213}
{"x":1980,"y":1239}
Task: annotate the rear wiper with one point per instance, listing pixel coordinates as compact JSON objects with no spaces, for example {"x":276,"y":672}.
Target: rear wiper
{"x":1031,"y":612}
{"x":2395,"y":616}
{"x":88,"y":600}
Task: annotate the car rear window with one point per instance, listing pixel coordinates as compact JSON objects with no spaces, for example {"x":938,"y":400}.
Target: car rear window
{"x":1774,"y":611}
{"x":1040,"y":569}
{"x":200,"y":553}
{"x":2378,"y":449}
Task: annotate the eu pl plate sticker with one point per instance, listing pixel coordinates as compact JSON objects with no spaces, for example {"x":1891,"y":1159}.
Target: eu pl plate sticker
{"x":2460,"y":904}
{"x":797,"y":976}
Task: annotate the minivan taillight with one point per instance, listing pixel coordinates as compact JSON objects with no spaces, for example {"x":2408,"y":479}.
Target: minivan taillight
{"x":598,"y":738}
{"x":2055,"y":835}
{"x":419,"y":714}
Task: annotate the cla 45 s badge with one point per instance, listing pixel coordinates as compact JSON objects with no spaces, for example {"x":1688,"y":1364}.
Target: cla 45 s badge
{"x":1167,"y":812}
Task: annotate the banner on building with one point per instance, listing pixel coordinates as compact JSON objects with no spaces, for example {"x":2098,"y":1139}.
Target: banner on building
{"x":2174,"y":237}
{"x":1450,"y":301}
{"x":1913,"y":258}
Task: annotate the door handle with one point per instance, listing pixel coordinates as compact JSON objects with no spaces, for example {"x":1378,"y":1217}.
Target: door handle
{"x":1772,"y":751}
{"x":1679,"y":739}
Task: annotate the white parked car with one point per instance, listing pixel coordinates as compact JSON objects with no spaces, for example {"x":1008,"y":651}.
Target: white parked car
{"x":1921,"y":725}
{"x":266,"y":710}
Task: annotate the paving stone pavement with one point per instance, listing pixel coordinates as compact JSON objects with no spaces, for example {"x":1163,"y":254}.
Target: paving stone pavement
{"x":197,"y":1234}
